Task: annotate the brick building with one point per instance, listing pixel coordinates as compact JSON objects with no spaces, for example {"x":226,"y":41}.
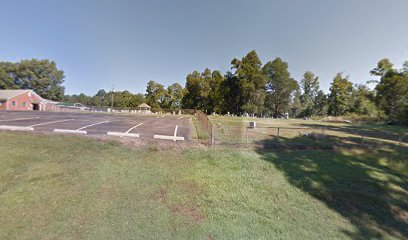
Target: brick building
{"x":24,"y":100}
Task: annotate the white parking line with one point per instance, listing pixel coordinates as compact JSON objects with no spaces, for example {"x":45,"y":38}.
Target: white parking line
{"x":79,"y":130}
{"x":133,"y":127}
{"x":175,"y":132}
{"x":40,"y":124}
{"x":18,"y":119}
{"x":82,"y":128}
{"x":125,"y":134}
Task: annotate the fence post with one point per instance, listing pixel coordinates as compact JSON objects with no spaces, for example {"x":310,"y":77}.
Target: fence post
{"x":212,"y":135}
{"x":278,"y":133}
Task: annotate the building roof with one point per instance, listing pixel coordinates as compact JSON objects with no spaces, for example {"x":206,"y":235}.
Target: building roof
{"x":69,"y":104}
{"x":144,"y":105}
{"x":7,"y":94}
{"x":10,"y":93}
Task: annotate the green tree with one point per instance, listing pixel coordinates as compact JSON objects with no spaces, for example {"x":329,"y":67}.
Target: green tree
{"x":363,"y":101}
{"x":216,"y":97}
{"x":231,"y":94}
{"x":205,"y":91}
{"x":155,"y":94}
{"x":212,"y":99}
{"x":310,"y":86}
{"x":296,"y":105}
{"x":193,"y":93}
{"x":174,"y":96}
{"x":252,"y":82}
{"x":392,"y":91}
{"x":383,"y":66}
{"x":340,"y":95}
{"x":42,"y":76}
{"x":321,"y":104}
{"x":100,"y":98}
{"x":7,"y":70}
{"x":280,"y":87}
{"x":405,"y":68}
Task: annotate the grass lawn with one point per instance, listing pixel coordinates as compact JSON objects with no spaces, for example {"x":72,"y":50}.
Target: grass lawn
{"x":232,"y":130}
{"x":72,"y":187}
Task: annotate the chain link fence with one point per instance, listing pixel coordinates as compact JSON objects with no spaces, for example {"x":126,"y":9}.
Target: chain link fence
{"x":119,"y":110}
{"x":304,"y":137}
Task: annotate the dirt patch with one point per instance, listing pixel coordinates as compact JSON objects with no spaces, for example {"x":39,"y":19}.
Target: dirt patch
{"x":191,"y":212}
{"x":188,"y":210}
{"x":162,"y":195}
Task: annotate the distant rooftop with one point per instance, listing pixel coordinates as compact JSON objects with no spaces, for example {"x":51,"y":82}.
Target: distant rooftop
{"x":144,"y":105}
{"x":7,"y":94}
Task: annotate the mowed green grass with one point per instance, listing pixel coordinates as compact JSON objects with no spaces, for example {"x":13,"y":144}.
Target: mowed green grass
{"x":68,"y":187}
{"x":232,"y":130}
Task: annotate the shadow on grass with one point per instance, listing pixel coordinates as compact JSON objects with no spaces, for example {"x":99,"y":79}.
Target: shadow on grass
{"x":366,"y":185}
{"x":385,"y":132}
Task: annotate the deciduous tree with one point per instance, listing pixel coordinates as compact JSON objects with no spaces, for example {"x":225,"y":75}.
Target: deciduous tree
{"x":248,"y":71}
{"x":155,"y":94}
{"x":340,"y":95}
{"x":310,"y":86}
{"x":280,"y":87}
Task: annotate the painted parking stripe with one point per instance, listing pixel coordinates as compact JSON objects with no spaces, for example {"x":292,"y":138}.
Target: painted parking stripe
{"x":174,"y":137}
{"x":128,"y":131}
{"x":29,"y":128}
{"x":175,"y":132}
{"x":79,"y":130}
{"x":125,"y":134}
{"x":18,"y":119}
{"x":82,"y":128}
{"x":46,"y":123}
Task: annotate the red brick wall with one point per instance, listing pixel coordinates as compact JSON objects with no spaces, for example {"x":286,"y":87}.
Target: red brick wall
{"x":20,"y":99}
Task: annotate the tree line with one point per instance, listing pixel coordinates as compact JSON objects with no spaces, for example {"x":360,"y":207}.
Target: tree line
{"x":270,"y":90}
{"x":249,"y":87}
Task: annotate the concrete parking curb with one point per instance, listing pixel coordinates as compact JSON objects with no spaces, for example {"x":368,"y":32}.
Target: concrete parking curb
{"x":16,"y":128}
{"x":70,"y":131}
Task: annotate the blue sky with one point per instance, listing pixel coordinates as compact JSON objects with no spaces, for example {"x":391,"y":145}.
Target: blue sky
{"x":100,"y":43}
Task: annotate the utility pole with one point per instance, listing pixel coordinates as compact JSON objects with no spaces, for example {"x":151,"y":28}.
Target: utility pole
{"x":113,"y":92}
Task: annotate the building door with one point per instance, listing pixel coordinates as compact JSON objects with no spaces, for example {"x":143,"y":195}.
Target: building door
{"x":36,"y":107}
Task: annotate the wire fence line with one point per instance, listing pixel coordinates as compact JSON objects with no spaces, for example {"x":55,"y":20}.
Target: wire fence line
{"x":304,"y":137}
{"x":120,"y":110}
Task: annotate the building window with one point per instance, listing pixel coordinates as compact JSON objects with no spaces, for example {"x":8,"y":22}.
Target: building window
{"x":13,"y":103}
{"x":24,"y":104}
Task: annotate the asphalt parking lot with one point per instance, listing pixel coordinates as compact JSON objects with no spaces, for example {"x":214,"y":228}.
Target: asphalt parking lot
{"x":165,"y":127}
